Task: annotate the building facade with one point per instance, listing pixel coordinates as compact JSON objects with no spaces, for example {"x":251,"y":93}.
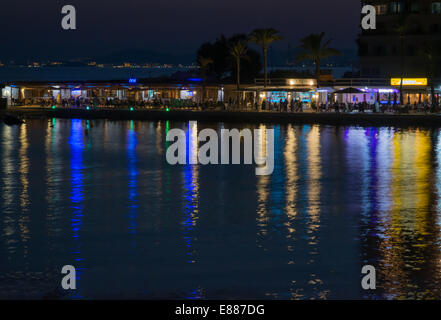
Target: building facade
{"x":406,"y":32}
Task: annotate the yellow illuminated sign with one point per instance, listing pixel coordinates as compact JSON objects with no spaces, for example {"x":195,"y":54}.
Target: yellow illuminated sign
{"x":409,"y":81}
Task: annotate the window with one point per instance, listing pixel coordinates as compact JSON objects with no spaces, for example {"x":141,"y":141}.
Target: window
{"x":394,"y":50}
{"x":365,"y":71}
{"x":434,"y":28}
{"x":436,"y":7}
{"x":411,"y":51}
{"x":381,"y":9}
{"x":414,"y":7}
{"x":380,"y":51}
{"x":396,"y":7}
{"x":363,"y":49}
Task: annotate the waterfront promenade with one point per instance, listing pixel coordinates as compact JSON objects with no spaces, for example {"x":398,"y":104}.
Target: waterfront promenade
{"x":324,"y":118}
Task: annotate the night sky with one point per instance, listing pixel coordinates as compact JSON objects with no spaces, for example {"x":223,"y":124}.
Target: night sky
{"x":31,"y":28}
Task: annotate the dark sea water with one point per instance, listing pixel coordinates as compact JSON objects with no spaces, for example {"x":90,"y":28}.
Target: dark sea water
{"x":108,"y":203}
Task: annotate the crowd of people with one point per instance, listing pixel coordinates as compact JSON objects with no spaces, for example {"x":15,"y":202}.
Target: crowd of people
{"x":300,"y":106}
{"x":276,"y":106}
{"x":82,"y":102}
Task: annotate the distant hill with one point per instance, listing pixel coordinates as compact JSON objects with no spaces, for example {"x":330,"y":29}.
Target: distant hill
{"x":144,"y":56}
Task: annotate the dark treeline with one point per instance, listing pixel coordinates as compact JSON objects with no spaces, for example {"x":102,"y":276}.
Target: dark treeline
{"x":233,"y":59}
{"x":223,"y":63}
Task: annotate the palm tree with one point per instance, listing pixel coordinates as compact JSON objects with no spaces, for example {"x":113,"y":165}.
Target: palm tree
{"x":204,"y":63}
{"x":238,"y":51}
{"x":316,"y":49}
{"x":264,"y":38}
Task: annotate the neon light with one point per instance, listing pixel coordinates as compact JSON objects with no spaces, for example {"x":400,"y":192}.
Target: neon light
{"x":409,"y":81}
{"x":133,"y":80}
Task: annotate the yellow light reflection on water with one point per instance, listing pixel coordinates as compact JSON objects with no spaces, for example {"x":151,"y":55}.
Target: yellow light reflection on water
{"x":405,"y":225}
{"x":422,"y":169}
{"x":8,"y":168}
{"x":262,"y":185}
{"x":314,"y":172}
{"x":291,"y":175}
{"x":24,"y":179}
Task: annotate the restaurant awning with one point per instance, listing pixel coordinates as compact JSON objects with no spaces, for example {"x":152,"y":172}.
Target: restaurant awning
{"x":349,"y":90}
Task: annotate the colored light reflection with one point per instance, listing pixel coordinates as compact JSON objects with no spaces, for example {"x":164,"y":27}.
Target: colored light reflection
{"x":24,"y":180}
{"x":76,"y":142}
{"x":291,"y":173}
{"x":132,"y":142}
{"x":191,"y":193}
{"x":191,"y":204}
{"x":262,"y":188}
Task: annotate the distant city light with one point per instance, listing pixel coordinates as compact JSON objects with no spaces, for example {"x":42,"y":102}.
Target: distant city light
{"x":133,"y":80}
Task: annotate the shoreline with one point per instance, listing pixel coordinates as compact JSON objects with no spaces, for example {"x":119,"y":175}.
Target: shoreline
{"x":334,"y":119}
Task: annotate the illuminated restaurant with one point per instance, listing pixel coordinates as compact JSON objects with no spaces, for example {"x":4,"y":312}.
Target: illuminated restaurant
{"x":193,"y":91}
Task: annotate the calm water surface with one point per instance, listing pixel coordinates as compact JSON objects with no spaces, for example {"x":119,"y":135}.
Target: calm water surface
{"x":134,"y":226}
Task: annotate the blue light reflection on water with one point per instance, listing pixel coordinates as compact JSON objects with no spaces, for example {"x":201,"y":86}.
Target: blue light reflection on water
{"x":132,"y":141}
{"x":191,"y":201}
{"x":340,"y":197}
{"x":76,"y":142}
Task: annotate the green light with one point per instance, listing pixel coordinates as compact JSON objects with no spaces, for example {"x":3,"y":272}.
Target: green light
{"x":87,"y":108}
{"x":131,"y":108}
{"x":167,"y":109}
{"x":53,"y":107}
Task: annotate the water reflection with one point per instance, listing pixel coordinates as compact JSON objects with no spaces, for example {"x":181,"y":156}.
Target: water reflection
{"x":76,"y":143}
{"x":314,"y":185}
{"x":191,"y":193}
{"x":54,"y":169}
{"x":132,"y":142}
{"x":339,"y":198}
{"x":8,"y":185}
{"x":291,"y":180}
{"x":263,"y":189}
{"x":23,"y":170}
{"x":191,"y":203}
